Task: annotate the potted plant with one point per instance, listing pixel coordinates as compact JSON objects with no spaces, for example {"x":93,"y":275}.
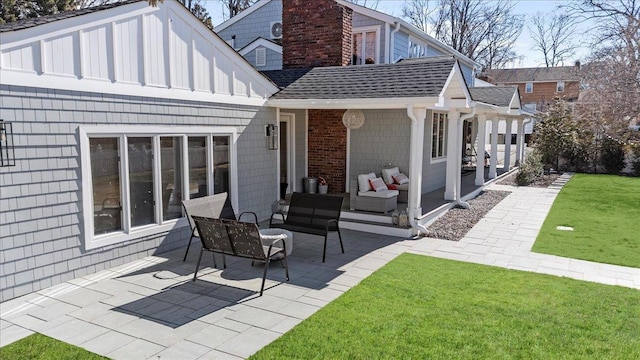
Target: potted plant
{"x":323,"y":187}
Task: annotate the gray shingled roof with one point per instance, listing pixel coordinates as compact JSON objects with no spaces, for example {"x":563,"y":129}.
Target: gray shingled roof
{"x":493,"y":95}
{"x":284,"y":78}
{"x":410,"y":78}
{"x":28,"y":23}
{"x":558,"y":73}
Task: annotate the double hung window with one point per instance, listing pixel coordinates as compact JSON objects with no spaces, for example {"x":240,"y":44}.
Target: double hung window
{"x":439,"y":136}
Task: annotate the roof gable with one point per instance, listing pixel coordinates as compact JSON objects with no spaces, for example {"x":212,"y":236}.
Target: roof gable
{"x":131,"y":49}
{"x":243,"y":14}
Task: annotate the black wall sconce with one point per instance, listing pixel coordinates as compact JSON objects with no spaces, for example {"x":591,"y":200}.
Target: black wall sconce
{"x":272,"y":136}
{"x":7,"y":154}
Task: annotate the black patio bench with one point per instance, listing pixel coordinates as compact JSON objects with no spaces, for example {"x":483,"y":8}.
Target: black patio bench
{"x":312,"y":214}
{"x":240,"y":239}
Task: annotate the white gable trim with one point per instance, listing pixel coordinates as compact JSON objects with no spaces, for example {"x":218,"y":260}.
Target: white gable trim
{"x":242,"y":15}
{"x":132,"y":49}
{"x":260,"y":42}
{"x":455,"y":92}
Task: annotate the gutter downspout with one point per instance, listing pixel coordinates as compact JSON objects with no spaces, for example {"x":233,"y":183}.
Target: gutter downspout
{"x":392,"y":42}
{"x":415,"y":168}
{"x":459,"y":202}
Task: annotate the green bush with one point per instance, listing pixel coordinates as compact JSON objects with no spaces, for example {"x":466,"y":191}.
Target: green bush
{"x":612,"y":157}
{"x":635,"y":163}
{"x":530,"y":170}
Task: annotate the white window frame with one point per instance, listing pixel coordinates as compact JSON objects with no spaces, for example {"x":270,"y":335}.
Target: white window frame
{"x":531,"y":106}
{"x":560,"y":86}
{"x":92,"y":241}
{"x":528,"y":87}
{"x":420,"y":47}
{"x":445,"y":122}
{"x":261,"y":57}
{"x":364,"y":30}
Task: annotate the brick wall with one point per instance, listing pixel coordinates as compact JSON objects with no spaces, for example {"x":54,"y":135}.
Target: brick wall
{"x":328,"y":147}
{"x":315,"y":33}
{"x":544,"y":93}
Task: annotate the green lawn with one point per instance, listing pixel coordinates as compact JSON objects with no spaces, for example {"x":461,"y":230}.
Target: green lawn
{"x":41,"y":347}
{"x":604,"y":211}
{"x":421,"y":307}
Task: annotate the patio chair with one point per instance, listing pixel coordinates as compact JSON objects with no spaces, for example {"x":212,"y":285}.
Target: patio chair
{"x":233,"y":238}
{"x":216,"y":206}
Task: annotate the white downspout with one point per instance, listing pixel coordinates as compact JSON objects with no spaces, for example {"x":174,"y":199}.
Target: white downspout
{"x":415,"y":170}
{"x":459,"y":202}
{"x":392,"y":42}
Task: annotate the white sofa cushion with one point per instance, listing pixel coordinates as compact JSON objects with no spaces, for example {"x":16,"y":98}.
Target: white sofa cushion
{"x":363,"y":181}
{"x":388,"y":173}
{"x":385,"y":194}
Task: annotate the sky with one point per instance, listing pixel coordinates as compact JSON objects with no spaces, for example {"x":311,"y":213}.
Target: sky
{"x":524,"y":45}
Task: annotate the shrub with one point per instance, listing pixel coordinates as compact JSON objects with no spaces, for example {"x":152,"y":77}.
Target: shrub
{"x":530,"y":170}
{"x":612,"y":157}
{"x":635,"y":163}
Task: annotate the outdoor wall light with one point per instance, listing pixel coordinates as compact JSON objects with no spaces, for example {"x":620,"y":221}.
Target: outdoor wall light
{"x":272,"y":136}
{"x":7,"y":155}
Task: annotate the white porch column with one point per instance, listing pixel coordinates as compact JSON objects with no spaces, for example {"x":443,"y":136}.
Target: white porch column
{"x":493,"y":162}
{"x":451,"y":191}
{"x":507,"y":144}
{"x":520,"y":142}
{"x":482,"y":131}
{"x":417,"y":116}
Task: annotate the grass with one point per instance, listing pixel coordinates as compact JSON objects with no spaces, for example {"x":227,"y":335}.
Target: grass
{"x":41,"y":347}
{"x":419,"y":307}
{"x":604,"y":211}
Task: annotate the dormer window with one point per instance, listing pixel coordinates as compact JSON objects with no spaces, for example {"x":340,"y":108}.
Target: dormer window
{"x":528,"y":87}
{"x":365,"y":46}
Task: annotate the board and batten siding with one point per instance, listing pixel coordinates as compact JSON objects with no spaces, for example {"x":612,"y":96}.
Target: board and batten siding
{"x":41,"y":209}
{"x":138,"y":50}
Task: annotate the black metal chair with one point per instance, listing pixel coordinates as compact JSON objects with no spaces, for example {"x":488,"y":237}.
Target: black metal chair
{"x":233,"y":238}
{"x":216,"y":206}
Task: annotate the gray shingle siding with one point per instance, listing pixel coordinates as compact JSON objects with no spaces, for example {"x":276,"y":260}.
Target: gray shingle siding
{"x":400,"y":46}
{"x":255,"y":25}
{"x":41,"y":219}
{"x":274,"y":60}
{"x":384,"y":138}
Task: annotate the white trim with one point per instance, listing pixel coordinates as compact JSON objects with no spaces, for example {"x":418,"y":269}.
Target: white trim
{"x":291,"y":169}
{"x":348,"y":161}
{"x":122,"y":132}
{"x":306,"y":142}
{"x":261,"y":56}
{"x":364,"y":30}
{"x":241,"y":15}
{"x":260,"y":42}
{"x":369,"y":103}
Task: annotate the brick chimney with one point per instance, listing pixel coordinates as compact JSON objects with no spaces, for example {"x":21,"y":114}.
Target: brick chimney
{"x":315,"y":33}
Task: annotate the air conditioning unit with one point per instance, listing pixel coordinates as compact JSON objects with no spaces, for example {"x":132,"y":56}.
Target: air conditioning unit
{"x":276,"y":30}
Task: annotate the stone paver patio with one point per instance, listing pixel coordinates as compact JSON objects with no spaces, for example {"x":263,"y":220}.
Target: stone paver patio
{"x":150,"y":308}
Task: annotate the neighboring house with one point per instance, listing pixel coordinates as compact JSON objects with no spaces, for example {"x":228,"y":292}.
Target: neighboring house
{"x":540,"y":86}
{"x":119,"y":112}
{"x":374,"y":37}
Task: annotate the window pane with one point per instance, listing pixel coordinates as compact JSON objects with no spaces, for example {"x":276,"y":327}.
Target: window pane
{"x":445,"y":126}
{"x":171,"y":177}
{"x":221,"y":164}
{"x":357,"y":49}
{"x":434,"y":135}
{"x":198,"y":167}
{"x":105,"y":179}
{"x":370,"y":48}
{"x":140,"y":151}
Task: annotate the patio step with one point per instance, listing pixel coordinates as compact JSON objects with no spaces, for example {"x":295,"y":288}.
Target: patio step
{"x":383,"y":228}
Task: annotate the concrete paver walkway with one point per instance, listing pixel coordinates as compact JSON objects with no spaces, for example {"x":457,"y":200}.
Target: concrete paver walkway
{"x":150,"y":308}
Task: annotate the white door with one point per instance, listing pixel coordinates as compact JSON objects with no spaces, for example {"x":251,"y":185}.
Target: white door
{"x":286,"y":155}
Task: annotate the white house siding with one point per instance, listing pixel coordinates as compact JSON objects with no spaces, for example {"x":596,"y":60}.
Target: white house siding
{"x":41,"y":210}
{"x":255,"y":25}
{"x":384,"y":138}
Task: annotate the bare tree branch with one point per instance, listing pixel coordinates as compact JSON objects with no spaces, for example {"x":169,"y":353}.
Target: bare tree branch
{"x":553,"y":35}
{"x":371,"y":4}
{"x":418,"y":13}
